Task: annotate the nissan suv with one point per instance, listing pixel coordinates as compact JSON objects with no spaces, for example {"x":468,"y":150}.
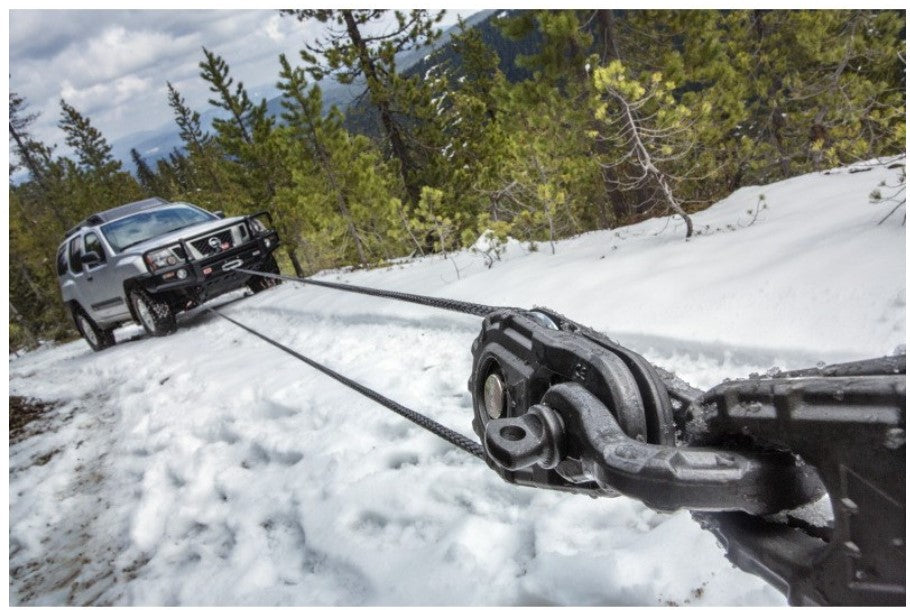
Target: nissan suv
{"x":148,"y":260}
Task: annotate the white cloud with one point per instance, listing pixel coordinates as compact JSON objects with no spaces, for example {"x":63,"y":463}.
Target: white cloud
{"x":113,"y":65}
{"x":272,"y":29}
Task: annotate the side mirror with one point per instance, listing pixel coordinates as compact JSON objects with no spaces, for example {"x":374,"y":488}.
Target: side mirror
{"x":90,"y":258}
{"x":219,"y":214}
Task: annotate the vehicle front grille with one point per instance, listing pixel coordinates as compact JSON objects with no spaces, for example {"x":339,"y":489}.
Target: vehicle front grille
{"x":214,"y":243}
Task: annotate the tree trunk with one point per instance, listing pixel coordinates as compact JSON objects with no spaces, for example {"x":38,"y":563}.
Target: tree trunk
{"x":292,"y":254}
{"x":552,"y":232}
{"x":607,"y":24}
{"x":648,"y":165}
{"x":392,"y":129}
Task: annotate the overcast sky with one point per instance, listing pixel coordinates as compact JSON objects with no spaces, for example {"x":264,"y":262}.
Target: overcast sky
{"x":113,"y":66}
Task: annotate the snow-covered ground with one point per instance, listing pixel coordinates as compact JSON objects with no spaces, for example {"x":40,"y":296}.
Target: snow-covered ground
{"x":210,"y":468}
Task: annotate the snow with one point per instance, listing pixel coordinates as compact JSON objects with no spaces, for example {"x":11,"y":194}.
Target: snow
{"x":209,"y":468}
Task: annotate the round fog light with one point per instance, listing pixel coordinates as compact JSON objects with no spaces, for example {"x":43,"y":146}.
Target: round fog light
{"x":267,"y":243}
{"x":181,"y":273}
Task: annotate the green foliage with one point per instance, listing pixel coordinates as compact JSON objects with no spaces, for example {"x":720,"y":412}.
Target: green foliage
{"x":563,"y":52}
{"x":430,"y":223}
{"x":339,"y":181}
{"x":255,"y":166}
{"x":92,"y":150}
{"x":349,"y":51}
{"x":462,"y":157}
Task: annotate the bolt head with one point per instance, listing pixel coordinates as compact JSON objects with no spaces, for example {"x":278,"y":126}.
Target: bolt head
{"x":493,"y":396}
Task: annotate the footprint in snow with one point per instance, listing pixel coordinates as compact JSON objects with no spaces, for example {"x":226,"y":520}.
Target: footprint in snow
{"x":399,"y":459}
{"x":299,"y":564}
{"x":259,"y":456}
{"x":276,"y":410}
{"x":384,"y":531}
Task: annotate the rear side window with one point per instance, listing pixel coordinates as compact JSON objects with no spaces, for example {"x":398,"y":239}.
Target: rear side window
{"x":61,"y":260}
{"x":76,"y":255}
{"x":93,"y":244}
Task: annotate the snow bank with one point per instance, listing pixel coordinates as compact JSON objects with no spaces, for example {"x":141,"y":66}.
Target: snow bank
{"x":210,"y":468}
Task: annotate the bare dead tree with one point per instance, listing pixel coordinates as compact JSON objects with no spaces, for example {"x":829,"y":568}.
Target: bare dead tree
{"x":646,"y":146}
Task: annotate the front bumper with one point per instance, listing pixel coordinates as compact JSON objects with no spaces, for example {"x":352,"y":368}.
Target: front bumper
{"x":214,"y":275}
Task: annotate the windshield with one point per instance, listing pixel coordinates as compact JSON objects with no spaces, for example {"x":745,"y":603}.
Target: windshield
{"x":129,"y":231}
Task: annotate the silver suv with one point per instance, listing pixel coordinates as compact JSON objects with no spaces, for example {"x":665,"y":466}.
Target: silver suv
{"x":148,"y":260}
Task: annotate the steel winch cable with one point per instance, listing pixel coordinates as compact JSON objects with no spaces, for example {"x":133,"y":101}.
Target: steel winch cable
{"x":475,"y":309}
{"x":447,"y":434}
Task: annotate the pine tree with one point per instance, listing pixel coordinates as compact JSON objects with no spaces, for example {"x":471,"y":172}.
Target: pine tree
{"x":90,"y":146}
{"x":188,"y":121}
{"x":236,"y":101}
{"x":649,"y":132}
{"x":35,"y":157}
{"x":144,"y":173}
{"x":473,"y":126}
{"x":348,"y":54}
{"x":565,"y":47}
{"x":246,"y":135}
{"x":790,"y":91}
{"x":303,"y":113}
{"x":98,"y":181}
{"x":248,"y":138}
{"x":199,"y":144}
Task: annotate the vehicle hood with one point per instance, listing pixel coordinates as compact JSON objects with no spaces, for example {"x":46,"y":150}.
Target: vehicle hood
{"x":189,"y":232}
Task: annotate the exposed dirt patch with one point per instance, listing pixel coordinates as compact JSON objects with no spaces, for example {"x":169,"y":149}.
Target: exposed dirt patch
{"x":23,"y":415}
{"x":74,"y":561}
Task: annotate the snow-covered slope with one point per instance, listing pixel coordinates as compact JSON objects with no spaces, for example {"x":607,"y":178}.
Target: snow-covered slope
{"x":211,"y":468}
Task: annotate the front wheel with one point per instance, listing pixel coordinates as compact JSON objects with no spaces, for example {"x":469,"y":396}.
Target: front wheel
{"x":259,"y":283}
{"x":157,"y":317}
{"x":97,"y":337}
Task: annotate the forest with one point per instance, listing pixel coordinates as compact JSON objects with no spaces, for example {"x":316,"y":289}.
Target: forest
{"x":612,"y":117}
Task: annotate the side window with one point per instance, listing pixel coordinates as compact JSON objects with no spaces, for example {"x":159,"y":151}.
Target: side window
{"x":93,"y":244}
{"x":61,"y":260}
{"x":76,"y":255}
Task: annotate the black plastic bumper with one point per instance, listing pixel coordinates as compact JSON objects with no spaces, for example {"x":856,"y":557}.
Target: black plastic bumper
{"x":209,"y":277}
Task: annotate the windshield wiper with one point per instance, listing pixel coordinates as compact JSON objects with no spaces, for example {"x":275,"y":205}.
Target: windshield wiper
{"x":131,"y":244}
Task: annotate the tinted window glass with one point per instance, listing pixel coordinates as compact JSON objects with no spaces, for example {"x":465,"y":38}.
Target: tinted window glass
{"x":61,"y":260}
{"x":93,"y":244}
{"x":143,"y":226}
{"x":75,"y":255}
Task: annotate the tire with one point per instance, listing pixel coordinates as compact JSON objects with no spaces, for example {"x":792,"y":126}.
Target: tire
{"x":157,"y":316}
{"x":97,"y":337}
{"x":259,"y":283}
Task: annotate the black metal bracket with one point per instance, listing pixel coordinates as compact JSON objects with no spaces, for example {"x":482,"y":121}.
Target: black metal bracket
{"x":849,"y":422}
{"x":563,"y":407}
{"x":571,"y":423}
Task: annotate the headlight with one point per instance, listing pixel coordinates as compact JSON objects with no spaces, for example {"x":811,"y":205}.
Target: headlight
{"x":161,"y":259}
